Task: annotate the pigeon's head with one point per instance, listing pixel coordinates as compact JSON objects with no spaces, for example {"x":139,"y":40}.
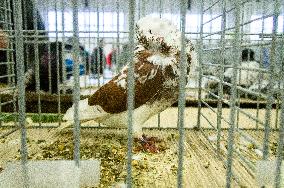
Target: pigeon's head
{"x":160,"y":35}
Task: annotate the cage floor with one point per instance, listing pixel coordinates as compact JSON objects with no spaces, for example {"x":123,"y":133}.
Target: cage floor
{"x":202,"y":168}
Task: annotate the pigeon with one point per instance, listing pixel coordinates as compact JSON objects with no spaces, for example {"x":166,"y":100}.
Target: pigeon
{"x":156,"y":72}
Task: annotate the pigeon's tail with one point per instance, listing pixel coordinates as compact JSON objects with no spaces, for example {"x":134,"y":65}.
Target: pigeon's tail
{"x":86,"y":112}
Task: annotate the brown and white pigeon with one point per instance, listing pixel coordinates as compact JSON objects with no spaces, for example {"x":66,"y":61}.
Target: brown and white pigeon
{"x":156,"y":62}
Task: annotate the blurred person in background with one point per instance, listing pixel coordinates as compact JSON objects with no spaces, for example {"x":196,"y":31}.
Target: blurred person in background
{"x":84,"y":59}
{"x":111,"y":58}
{"x":122,"y":57}
{"x":98,"y":59}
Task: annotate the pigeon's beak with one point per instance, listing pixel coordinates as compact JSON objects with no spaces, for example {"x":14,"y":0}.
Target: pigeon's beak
{"x":4,"y":40}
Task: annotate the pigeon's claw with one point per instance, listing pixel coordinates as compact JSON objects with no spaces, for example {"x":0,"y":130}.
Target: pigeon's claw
{"x":148,"y":144}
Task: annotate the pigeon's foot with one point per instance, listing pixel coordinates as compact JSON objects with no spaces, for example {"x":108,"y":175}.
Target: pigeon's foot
{"x":147,"y":144}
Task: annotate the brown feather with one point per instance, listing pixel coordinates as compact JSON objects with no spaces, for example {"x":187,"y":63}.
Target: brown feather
{"x":113,"y":98}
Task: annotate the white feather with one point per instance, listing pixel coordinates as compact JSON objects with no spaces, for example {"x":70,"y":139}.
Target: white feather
{"x":248,"y":77}
{"x":157,"y":29}
{"x":152,"y":74}
{"x":159,"y":59}
{"x":86,"y":112}
{"x":194,"y":65}
{"x":170,"y":83}
{"x":121,"y":80}
{"x":139,"y":48}
{"x":122,"y":83}
{"x":142,"y":79}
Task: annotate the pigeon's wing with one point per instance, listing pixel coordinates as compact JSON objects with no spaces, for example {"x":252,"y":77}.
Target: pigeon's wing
{"x":149,"y":79}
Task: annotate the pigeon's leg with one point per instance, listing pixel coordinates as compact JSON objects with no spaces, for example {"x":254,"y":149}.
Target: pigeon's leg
{"x":147,"y":143}
{"x":137,"y":131}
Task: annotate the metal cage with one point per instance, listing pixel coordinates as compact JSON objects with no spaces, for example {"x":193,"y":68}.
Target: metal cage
{"x":240,"y":120}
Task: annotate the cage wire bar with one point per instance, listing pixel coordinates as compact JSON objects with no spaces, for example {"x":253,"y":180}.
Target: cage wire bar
{"x":261,"y":60}
{"x":89,"y":42}
{"x":236,"y":111}
{"x":160,"y":15}
{"x":21,"y":87}
{"x":76,"y":91}
{"x":98,"y":51}
{"x":118,"y":63}
{"x":279,"y":162}
{"x":64,"y":74}
{"x":231,"y":38}
{"x":272,"y":78}
{"x":11,"y":59}
{"x":6,"y":22}
{"x":36,"y":59}
{"x":233,"y":94}
{"x":98,"y":41}
{"x":221,"y":76}
{"x":181,"y":98}
{"x":130,"y":91}
{"x":200,"y":49}
{"x":238,"y":80}
{"x":58,"y":65}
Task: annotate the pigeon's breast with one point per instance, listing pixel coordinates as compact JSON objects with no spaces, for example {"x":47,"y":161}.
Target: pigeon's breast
{"x":153,"y":82}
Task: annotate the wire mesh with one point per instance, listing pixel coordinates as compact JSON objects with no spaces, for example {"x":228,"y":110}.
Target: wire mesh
{"x":181,"y":100}
{"x":130,"y":92}
{"x":239,"y":49}
{"x":233,"y":87}
{"x":21,"y":89}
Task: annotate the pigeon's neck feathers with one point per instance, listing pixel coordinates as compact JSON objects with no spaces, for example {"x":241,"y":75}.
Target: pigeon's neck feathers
{"x":159,"y":59}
